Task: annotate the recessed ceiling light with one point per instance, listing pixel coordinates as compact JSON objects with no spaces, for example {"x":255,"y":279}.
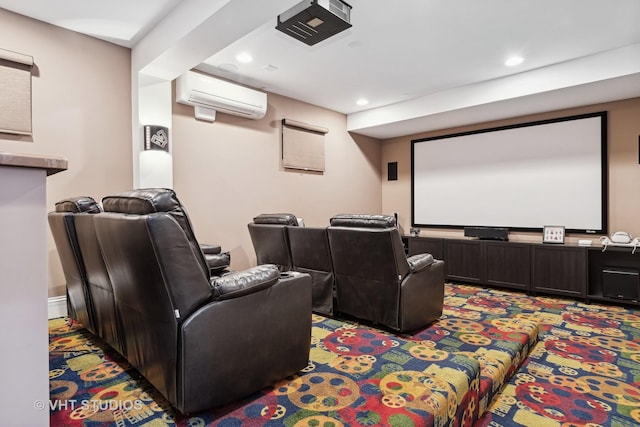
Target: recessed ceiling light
{"x":362,"y":101}
{"x":244,"y":58}
{"x":513,"y":61}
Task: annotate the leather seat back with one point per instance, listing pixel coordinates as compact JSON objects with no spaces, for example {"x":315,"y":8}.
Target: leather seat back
{"x":158,"y":280}
{"x":270,"y":241}
{"x":369,"y":264}
{"x":63,"y":229}
{"x":152,"y":200}
{"x":107,"y":321}
{"x":310,"y":254}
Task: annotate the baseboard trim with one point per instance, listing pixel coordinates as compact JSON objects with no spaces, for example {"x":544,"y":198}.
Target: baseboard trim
{"x":57,"y":307}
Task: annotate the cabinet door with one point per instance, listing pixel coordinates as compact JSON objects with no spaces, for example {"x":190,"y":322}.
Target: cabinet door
{"x":559,"y":270}
{"x":616,"y":259}
{"x":463,"y":260}
{"x":508,"y":265}
{"x":426,"y":245}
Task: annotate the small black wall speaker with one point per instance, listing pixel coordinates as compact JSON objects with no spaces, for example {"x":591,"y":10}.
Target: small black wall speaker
{"x":392,"y":171}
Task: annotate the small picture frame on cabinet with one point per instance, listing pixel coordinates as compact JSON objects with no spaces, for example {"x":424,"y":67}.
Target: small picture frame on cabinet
{"x":553,"y":234}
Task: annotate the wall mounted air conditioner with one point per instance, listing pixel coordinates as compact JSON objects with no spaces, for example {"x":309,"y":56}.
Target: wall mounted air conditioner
{"x":208,"y":94}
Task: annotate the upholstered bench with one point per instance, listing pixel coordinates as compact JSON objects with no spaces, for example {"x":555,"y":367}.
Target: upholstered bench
{"x":500,"y":345}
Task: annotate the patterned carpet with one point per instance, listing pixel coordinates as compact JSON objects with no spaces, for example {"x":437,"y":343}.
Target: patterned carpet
{"x":585,"y":370}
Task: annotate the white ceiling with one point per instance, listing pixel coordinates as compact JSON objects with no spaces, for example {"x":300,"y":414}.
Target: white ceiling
{"x":122,"y":22}
{"x":422,"y":64}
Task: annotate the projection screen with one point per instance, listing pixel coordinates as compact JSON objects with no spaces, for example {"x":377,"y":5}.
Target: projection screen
{"x":523,"y":177}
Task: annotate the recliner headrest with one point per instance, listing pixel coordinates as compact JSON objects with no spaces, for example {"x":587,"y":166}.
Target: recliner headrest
{"x":143,"y":201}
{"x":147,"y":201}
{"x":277,"y":218}
{"x":80,"y":204}
{"x":363,"y":220}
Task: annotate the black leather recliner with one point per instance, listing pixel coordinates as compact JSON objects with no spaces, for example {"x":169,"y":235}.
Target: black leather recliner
{"x":202,"y":341}
{"x":270,"y":241}
{"x":375,"y":281}
{"x":63,"y":229}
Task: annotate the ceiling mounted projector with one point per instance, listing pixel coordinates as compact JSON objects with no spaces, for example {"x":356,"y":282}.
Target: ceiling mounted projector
{"x":315,"y":20}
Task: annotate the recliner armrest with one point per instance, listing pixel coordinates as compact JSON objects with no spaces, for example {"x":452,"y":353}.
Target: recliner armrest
{"x":419,"y":262}
{"x":210,"y":249}
{"x":245,"y":282}
{"x":218,"y":263}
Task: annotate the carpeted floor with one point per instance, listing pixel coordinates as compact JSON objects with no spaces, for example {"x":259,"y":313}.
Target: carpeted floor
{"x":585,"y":370}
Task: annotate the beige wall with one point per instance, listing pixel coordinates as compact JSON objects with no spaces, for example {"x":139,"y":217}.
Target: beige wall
{"x":624,"y":170}
{"x":81,"y":103}
{"x":229,"y":171}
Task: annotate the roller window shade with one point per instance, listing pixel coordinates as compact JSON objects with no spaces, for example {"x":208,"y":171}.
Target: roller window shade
{"x":15,"y":93}
{"x":302,"y":146}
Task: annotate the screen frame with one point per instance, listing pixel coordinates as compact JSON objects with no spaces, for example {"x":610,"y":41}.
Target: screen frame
{"x":604,"y":203}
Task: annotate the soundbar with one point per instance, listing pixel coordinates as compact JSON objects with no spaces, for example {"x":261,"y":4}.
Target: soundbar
{"x":487,"y":233}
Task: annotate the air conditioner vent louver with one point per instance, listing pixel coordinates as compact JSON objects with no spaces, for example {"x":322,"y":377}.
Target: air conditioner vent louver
{"x":210,"y":93}
{"x":315,"y":20}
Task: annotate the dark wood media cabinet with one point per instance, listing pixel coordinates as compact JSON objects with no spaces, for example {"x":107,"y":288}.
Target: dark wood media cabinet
{"x":565,"y":270}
